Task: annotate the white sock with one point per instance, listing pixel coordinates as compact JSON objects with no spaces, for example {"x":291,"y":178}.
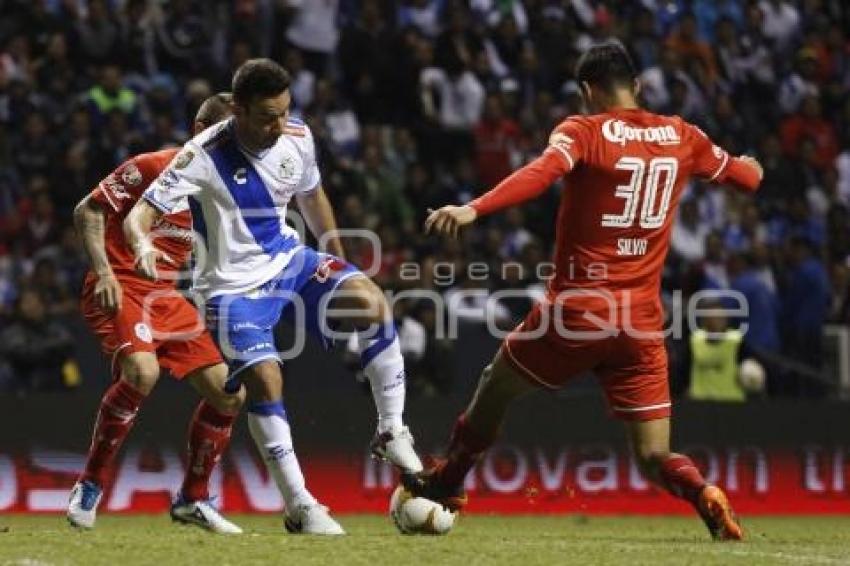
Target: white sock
{"x":270,"y":431}
{"x":381,"y":360}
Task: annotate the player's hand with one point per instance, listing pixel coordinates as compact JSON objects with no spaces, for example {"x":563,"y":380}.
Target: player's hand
{"x":107,"y":293}
{"x":147,"y":259}
{"x":752,"y":161}
{"x":448,"y":220}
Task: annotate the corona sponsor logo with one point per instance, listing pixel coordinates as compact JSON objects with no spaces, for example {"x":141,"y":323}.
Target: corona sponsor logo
{"x":617,"y":131}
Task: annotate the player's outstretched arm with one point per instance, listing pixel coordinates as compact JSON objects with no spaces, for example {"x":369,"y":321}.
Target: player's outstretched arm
{"x":319,"y":216}
{"x":526,"y":183}
{"x":137,"y":229}
{"x":523,"y":184}
{"x":564,"y":152}
{"x":90,"y":223}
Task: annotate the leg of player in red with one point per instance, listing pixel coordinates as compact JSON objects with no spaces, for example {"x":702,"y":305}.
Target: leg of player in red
{"x":209,"y":434}
{"x":477,"y":428}
{"x":208,"y":438}
{"x":118,"y":311}
{"x":586,"y":151}
{"x":679,"y":476}
{"x":474,"y":432}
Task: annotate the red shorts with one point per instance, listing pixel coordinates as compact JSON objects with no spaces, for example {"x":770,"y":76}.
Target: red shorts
{"x":160,"y":321}
{"x":632,"y":369}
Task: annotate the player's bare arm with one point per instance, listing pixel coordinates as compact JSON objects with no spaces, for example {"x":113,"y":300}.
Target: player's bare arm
{"x":90,"y":223}
{"x":137,"y":229}
{"x":319,"y":216}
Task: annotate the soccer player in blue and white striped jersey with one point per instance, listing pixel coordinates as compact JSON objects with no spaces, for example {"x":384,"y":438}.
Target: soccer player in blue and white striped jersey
{"x":237,"y":178}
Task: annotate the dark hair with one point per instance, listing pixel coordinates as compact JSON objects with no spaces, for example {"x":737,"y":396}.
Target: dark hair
{"x":214,"y":109}
{"x":606,"y":66}
{"x":259,"y":78}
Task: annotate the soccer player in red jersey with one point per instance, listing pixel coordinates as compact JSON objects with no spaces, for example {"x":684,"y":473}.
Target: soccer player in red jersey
{"x":144,"y":324}
{"x":625,"y":169}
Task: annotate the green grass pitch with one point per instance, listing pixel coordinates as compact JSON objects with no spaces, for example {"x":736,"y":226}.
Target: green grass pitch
{"x":373,"y":541}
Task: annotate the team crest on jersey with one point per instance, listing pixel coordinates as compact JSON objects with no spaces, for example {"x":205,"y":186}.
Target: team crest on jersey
{"x":131,"y":175}
{"x":183,"y":159}
{"x":143,"y":332}
{"x":287,"y":168}
{"x":241,"y":176}
{"x":169,"y":179}
{"x":114,"y":186}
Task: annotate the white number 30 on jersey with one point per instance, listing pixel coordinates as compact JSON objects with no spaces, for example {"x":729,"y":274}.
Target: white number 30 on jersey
{"x":653,"y":211}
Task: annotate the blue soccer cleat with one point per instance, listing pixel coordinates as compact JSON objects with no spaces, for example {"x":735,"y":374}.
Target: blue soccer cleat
{"x":82,"y":505}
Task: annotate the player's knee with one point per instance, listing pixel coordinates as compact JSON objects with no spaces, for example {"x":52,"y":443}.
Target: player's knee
{"x":141,"y":373}
{"x":263,"y":381}
{"x":368,"y":300}
{"x":211,"y":383}
{"x":229,"y":403}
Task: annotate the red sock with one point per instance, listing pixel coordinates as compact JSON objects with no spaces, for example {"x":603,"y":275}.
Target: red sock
{"x":465,"y":449}
{"x":115,"y":418}
{"x":209,"y":435}
{"x":680,"y":477}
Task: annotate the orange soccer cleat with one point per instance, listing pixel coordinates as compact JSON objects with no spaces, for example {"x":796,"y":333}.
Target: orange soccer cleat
{"x":717,"y":514}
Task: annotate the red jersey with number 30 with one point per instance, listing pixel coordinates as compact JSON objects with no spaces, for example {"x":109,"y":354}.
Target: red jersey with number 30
{"x":117,"y":194}
{"x":625,"y":170}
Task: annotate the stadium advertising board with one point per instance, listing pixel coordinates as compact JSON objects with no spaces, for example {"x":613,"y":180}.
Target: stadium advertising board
{"x":558,"y":455}
{"x":591,"y":479}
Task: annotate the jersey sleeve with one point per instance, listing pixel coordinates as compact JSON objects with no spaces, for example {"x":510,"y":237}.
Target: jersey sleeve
{"x":310,"y":177}
{"x":522,"y":185}
{"x":119,"y":191}
{"x":713,"y":163}
{"x":185,"y":176}
{"x":710,"y":160}
{"x":566,"y":149}
{"x":570,"y":140}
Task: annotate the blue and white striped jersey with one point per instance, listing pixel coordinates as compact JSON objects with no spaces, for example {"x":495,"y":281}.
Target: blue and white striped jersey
{"x":238,"y":201}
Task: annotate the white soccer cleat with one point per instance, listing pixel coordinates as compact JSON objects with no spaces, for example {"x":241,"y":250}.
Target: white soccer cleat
{"x":312,"y":520}
{"x":202,"y":514}
{"x":82,"y":505}
{"x":396,"y":447}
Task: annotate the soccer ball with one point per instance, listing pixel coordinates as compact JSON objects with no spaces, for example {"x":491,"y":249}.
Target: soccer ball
{"x":751,"y":376}
{"x":419,"y":516}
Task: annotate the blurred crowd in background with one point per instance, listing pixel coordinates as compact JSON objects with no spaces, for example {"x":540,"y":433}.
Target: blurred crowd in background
{"x":419,"y":103}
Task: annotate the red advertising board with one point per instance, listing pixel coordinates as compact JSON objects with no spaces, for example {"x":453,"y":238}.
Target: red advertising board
{"x":573,"y":479}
